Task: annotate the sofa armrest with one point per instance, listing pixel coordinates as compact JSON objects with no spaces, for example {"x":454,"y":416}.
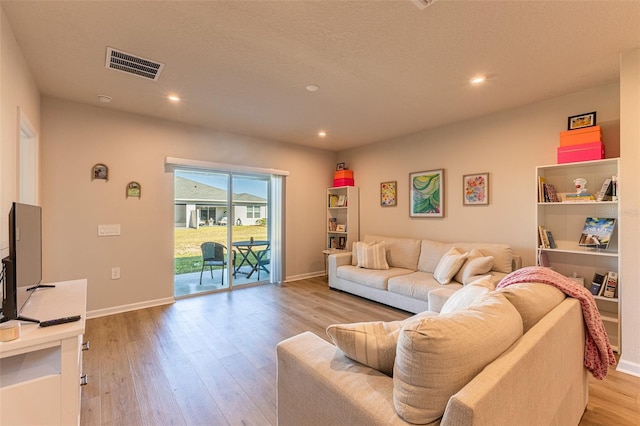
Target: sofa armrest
{"x":336,"y":260}
{"x":318,"y":385}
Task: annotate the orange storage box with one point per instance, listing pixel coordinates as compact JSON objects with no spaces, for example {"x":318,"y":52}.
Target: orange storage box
{"x":582,"y":152}
{"x":580,"y":136}
{"x":343,"y":174}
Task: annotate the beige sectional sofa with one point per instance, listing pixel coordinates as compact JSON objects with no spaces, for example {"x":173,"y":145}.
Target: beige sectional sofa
{"x":483,"y":367}
{"x":409,"y":282}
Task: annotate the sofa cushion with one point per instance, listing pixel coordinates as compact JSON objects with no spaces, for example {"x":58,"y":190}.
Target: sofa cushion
{"x":475,"y":265}
{"x":430,"y":254}
{"x":401,"y":252}
{"x":533,"y":300}
{"x":416,"y":285}
{"x":437,"y":356}
{"x":371,"y":343}
{"x":468,"y":295}
{"x":502,"y":254}
{"x":449,"y":265}
{"x":371,"y":256}
{"x":369,"y":277}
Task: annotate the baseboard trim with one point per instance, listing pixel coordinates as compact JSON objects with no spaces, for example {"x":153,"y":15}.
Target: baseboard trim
{"x":132,"y":307}
{"x":305,"y":276}
{"x":628,"y":367}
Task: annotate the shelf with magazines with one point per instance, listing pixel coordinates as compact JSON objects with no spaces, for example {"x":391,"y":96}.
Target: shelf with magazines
{"x":342,"y":217}
{"x":577,"y":224}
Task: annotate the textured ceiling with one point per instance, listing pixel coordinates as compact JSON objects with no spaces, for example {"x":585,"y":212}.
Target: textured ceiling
{"x":385,"y":68}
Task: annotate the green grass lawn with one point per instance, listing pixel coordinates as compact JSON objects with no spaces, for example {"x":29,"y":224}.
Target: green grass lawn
{"x":187,"y":254}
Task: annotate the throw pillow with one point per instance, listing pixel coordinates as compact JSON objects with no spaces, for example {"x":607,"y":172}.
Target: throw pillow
{"x":449,"y":264}
{"x":472,"y":267}
{"x":468,"y":295}
{"x":372,"y":256}
{"x":533,"y":300}
{"x":437,"y":356}
{"x":371,"y":343}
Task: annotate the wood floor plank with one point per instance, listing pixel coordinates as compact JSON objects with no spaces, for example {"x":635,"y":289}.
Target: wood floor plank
{"x":211,"y":359}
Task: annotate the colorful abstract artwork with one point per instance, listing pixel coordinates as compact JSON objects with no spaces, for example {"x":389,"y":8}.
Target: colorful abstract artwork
{"x":427,"y":194}
{"x":388,"y":194}
{"x":475,"y":189}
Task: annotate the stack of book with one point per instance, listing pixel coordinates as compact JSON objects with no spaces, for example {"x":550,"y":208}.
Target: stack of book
{"x":575,"y":197}
{"x":605,"y":285}
{"x":546,"y":192}
{"x":546,"y":238}
{"x":608,"y":190}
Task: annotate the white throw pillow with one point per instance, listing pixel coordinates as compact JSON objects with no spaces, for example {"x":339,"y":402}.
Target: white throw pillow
{"x":372,"y":256}
{"x":473,"y":267}
{"x":437,"y":356}
{"x":468,"y":295}
{"x":449,"y":264}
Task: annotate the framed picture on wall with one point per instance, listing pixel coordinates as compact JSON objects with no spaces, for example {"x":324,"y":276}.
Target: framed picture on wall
{"x":475,"y":189}
{"x":388,"y":194}
{"x":427,"y":193}
{"x":100,"y":171}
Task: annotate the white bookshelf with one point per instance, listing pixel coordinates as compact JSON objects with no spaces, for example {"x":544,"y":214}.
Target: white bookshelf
{"x":343,"y":210}
{"x":566,"y":220}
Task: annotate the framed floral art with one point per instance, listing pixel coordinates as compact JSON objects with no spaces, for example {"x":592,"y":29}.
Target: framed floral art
{"x":388,"y":194}
{"x":475,"y":189}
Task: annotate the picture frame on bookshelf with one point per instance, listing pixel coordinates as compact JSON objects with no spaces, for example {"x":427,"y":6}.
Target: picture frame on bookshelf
{"x":427,"y":194}
{"x":342,"y":243}
{"x":580,"y":121}
{"x":597,"y":232}
{"x":388,"y":194}
{"x":341,"y":228}
{"x":475,"y":189}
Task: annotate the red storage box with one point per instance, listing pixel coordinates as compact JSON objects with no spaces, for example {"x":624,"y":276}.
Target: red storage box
{"x":582,"y":152}
{"x":581,"y":136}
{"x":343,"y":174}
{"x":342,"y":182}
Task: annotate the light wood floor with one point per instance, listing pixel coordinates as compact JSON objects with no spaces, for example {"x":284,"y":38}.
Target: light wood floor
{"x":210,"y":360}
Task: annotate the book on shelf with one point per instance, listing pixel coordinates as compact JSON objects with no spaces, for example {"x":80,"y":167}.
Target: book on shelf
{"x":544,"y":237}
{"x":541,"y":183}
{"x":615,"y":193}
{"x":596,"y":284}
{"x":610,"y":285}
{"x":342,"y":201}
{"x":597,"y":232}
{"x":605,"y":191}
{"x":552,"y":243}
{"x":333,"y":200}
{"x":333,"y":224}
{"x":573,"y":197}
{"x":550,"y":194}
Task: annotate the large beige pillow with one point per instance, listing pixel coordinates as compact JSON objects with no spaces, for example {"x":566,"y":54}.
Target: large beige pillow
{"x":533,"y":300}
{"x":474,"y":266}
{"x":468,"y":295}
{"x":449,"y":265}
{"x":437,"y":356}
{"x":371,"y":343}
{"x":372,"y":256}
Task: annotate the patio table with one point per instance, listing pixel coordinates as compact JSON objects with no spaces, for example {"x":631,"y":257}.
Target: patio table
{"x":245,"y":248}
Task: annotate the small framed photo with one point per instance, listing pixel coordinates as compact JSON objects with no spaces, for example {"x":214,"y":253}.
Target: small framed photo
{"x":133,"y":190}
{"x":475,"y":189}
{"x":427,"y":193}
{"x":341,"y":166}
{"x":388,"y":194}
{"x":100,"y":171}
{"x":341,"y":228}
{"x":582,"y":120}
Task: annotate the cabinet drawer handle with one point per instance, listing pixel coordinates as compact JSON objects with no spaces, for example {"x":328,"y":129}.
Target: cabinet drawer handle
{"x":84,"y":380}
{"x":85,"y":346}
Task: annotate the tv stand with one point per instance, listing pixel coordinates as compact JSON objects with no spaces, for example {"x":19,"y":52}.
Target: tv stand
{"x":44,"y":364}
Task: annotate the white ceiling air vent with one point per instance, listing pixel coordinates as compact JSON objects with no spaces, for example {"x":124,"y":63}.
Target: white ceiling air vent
{"x":132,"y":64}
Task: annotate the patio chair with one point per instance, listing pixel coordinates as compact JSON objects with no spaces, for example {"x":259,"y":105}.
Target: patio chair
{"x":263,"y":257}
{"x":213,"y":254}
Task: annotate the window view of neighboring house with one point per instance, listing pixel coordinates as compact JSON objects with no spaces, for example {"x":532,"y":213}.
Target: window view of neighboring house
{"x":198,"y":204}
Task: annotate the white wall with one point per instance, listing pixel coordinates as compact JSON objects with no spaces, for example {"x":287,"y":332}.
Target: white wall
{"x":17,"y":90}
{"x":76,"y":136}
{"x":508,"y":145}
{"x":630,"y":206}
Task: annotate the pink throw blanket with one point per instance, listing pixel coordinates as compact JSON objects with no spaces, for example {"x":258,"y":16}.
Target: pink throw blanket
{"x":598,"y":354}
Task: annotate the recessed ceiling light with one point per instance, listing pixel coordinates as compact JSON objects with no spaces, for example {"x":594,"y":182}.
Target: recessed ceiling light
{"x":104,"y":99}
{"x":479,"y":79}
{"x":313,"y":88}
{"x":322,"y":133}
{"x":173,"y":98}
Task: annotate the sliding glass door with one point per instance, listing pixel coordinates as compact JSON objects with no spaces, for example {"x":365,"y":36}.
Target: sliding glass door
{"x":221,"y":231}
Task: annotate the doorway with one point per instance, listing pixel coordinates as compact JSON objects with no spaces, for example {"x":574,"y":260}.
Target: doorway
{"x":222,"y":232}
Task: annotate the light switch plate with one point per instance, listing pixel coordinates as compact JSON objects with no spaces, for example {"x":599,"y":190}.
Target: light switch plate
{"x":108,"y":230}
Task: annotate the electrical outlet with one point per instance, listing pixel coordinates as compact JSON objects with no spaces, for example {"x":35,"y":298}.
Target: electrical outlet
{"x":115,"y":273}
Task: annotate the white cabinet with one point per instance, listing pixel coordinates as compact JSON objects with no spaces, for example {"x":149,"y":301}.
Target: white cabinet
{"x":343,"y":228}
{"x":566,"y":220}
{"x":40,"y":371}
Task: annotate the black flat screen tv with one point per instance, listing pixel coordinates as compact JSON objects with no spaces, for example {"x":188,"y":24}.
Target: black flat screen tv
{"x":23,"y":266}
